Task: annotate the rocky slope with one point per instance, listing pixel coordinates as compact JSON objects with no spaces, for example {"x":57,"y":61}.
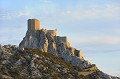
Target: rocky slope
{"x":47,"y":41}
{"x":35,"y":64}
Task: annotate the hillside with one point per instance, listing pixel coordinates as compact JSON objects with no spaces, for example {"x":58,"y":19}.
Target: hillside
{"x":42,"y":54}
{"x":34,"y":64}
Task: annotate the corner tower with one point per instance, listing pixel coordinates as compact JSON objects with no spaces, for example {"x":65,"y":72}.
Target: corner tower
{"x":33,"y":24}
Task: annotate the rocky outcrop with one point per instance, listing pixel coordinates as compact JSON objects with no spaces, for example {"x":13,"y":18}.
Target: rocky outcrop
{"x":47,"y":41}
{"x":34,"y":64}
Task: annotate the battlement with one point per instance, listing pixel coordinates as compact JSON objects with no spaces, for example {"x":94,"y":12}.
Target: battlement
{"x":33,"y":24}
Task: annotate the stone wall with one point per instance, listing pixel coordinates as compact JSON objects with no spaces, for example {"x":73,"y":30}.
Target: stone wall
{"x":33,"y":24}
{"x":65,"y":40}
{"x":78,"y":53}
{"x":53,"y":32}
{"x":72,"y":51}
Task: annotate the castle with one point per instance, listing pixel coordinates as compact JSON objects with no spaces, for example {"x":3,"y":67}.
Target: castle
{"x":34,"y":25}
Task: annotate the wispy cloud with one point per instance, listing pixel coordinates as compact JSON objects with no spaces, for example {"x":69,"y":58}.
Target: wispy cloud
{"x":92,"y":41}
{"x":72,"y":18}
{"x":11,"y":14}
{"x":25,"y":12}
{"x":50,"y":9}
{"x":107,"y":11}
{"x":101,"y":40}
{"x":79,"y":13}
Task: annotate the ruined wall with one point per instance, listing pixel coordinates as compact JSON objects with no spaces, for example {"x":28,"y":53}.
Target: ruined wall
{"x":29,"y":24}
{"x":80,"y":54}
{"x":33,"y":24}
{"x":65,"y":40}
{"x":53,"y":32}
{"x":72,"y":51}
{"x":37,"y":24}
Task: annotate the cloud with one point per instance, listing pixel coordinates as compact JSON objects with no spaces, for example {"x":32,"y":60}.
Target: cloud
{"x":94,"y":12}
{"x":11,"y":14}
{"x":101,"y":40}
{"x":12,"y":40}
{"x":4,"y":14}
{"x":94,"y":40}
{"x":55,"y":12}
{"x":21,"y":14}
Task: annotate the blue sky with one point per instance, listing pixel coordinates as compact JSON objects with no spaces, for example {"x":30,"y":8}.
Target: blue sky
{"x":90,"y":25}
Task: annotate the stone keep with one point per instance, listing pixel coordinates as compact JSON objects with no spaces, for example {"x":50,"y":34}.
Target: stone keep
{"x":33,"y":24}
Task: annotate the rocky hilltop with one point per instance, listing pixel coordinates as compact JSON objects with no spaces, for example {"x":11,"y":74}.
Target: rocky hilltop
{"x":44,"y":55}
{"x":48,"y":42}
{"x":33,"y":64}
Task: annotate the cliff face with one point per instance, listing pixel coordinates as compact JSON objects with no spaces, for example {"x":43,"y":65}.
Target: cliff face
{"x":47,"y":41}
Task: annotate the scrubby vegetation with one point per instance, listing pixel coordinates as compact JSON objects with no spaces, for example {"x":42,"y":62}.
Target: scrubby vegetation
{"x":34,"y":64}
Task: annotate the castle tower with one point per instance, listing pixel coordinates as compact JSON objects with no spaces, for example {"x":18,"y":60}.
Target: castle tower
{"x":33,"y":24}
